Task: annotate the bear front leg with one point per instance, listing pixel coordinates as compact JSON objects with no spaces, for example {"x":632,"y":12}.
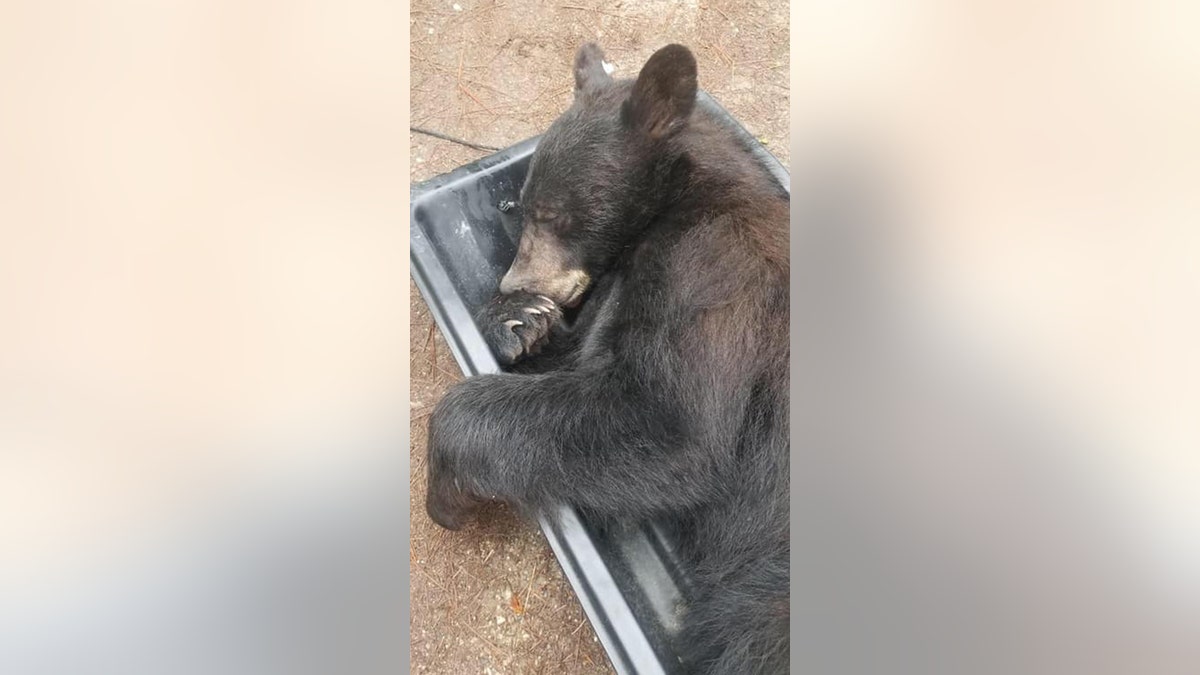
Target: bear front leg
{"x":593,"y":440}
{"x":475,"y":450}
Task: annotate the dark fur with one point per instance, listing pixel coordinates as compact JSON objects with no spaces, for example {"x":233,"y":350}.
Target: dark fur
{"x":667,"y":396}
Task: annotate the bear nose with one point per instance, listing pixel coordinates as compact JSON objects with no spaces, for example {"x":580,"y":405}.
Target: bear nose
{"x":511,"y":283}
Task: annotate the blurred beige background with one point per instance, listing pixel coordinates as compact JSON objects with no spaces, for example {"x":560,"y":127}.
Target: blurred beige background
{"x":1042,"y":158}
{"x":202,"y":262}
{"x":1047,"y":154}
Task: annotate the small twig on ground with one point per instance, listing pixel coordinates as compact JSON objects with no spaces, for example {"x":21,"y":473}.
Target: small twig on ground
{"x":417,"y":473}
{"x":529,"y":586}
{"x":589,"y":9}
{"x":721,"y":53}
{"x":429,"y":336}
{"x":486,"y":641}
{"x":431,"y":580}
{"x":468,"y":92}
{"x":433,"y":361}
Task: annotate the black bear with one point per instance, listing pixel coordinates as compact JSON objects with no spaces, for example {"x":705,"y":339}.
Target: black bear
{"x":665,"y":395}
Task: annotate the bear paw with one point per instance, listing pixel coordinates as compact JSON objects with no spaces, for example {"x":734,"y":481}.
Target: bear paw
{"x":517,"y":324}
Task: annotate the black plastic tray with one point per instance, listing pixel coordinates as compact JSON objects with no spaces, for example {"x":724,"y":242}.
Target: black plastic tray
{"x":462,"y":240}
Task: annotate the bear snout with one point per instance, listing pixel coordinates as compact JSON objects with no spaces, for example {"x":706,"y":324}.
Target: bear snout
{"x":563,"y":287}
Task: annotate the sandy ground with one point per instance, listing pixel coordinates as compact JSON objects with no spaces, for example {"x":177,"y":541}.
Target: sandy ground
{"x":491,"y":598}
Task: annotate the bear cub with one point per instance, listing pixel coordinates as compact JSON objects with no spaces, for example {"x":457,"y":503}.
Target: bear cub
{"x":645,"y":323}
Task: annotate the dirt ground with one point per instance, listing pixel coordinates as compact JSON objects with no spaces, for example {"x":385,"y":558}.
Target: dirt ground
{"x":491,"y":598}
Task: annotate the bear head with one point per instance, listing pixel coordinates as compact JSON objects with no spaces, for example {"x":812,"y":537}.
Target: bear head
{"x":601,"y":173}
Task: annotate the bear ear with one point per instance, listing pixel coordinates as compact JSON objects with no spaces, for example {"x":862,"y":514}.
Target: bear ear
{"x":665,"y":92}
{"x":589,"y":69}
